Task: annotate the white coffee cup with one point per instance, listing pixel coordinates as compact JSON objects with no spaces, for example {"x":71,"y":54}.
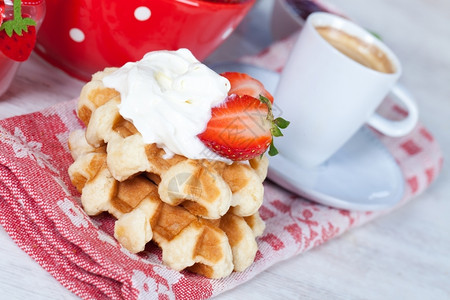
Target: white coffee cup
{"x":327,"y":96}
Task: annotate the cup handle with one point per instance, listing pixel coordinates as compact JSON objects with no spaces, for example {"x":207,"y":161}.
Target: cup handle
{"x":401,"y":127}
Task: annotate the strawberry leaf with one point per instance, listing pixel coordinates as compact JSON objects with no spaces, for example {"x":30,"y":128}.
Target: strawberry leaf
{"x":276,"y":131}
{"x":18,"y":29}
{"x":29,"y":22}
{"x":282,"y":123}
{"x":8,"y":27}
{"x":272,"y":150}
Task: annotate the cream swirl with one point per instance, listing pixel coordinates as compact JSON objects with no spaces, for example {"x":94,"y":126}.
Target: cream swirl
{"x":168,"y":96}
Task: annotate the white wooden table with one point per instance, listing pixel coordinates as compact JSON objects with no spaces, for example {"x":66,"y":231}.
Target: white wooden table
{"x":404,"y":255}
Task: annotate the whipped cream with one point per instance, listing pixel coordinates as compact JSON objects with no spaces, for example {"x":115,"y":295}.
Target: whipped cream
{"x":168,"y":96}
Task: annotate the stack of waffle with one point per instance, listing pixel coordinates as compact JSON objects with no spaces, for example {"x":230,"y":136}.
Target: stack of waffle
{"x":202,"y":214}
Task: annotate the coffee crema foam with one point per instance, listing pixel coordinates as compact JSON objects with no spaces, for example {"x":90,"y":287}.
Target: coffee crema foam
{"x":366,"y":54}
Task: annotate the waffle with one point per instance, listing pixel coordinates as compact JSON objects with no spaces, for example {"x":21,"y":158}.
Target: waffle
{"x":212,"y":248}
{"x":94,"y":94}
{"x":203,"y":214}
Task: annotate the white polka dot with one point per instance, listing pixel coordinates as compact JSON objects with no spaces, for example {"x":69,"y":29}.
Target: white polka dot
{"x":77,"y":35}
{"x":142,"y":13}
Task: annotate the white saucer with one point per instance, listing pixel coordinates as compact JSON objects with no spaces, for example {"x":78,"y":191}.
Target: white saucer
{"x":362,"y":175}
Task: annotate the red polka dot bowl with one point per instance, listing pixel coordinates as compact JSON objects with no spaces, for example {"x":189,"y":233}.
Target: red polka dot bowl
{"x":82,"y":37}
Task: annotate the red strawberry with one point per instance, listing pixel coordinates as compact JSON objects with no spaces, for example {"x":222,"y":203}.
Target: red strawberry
{"x":18,"y":36}
{"x":243,"y":84}
{"x":242,"y":127}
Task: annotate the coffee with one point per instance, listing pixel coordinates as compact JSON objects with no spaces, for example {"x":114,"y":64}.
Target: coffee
{"x":367,"y":54}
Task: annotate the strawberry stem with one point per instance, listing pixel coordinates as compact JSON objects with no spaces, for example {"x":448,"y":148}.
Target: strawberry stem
{"x":17,"y":6}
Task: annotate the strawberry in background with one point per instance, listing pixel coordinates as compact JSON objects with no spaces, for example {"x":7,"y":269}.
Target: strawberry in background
{"x":17,"y":35}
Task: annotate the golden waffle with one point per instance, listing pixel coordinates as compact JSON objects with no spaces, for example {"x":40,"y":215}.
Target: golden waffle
{"x":203,"y":214}
{"x":212,"y":248}
{"x":94,"y":94}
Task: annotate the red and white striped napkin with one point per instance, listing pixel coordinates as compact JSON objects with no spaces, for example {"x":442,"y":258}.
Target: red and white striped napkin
{"x":41,"y":211}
